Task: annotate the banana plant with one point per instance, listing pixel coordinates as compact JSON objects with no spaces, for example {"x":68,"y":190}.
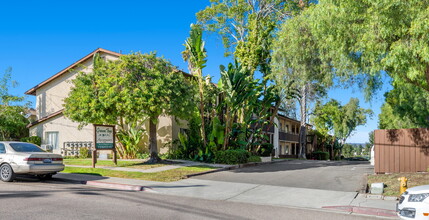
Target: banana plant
{"x":237,"y":90}
{"x":195,"y":54}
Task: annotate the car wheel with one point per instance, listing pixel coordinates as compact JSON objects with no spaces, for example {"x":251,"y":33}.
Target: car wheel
{"x":45,"y":176}
{"x":6,"y":173}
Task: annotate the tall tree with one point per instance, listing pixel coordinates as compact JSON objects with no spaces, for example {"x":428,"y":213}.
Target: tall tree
{"x":348,"y":150}
{"x":247,"y":26}
{"x":12,"y":121}
{"x":296,"y":59}
{"x":196,"y":55}
{"x":341,"y":121}
{"x":373,"y":36}
{"x":388,"y":119}
{"x":406,"y":106}
{"x":371,"y":138}
{"x":127,"y":91}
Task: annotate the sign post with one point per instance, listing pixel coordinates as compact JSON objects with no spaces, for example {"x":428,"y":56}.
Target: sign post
{"x":104,"y":139}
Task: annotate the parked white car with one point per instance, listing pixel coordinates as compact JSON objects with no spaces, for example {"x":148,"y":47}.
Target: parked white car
{"x":27,"y":158}
{"x":414,"y":203}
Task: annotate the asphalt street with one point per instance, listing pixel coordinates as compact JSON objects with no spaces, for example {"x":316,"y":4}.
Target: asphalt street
{"x":29,"y":198}
{"x":346,"y":176}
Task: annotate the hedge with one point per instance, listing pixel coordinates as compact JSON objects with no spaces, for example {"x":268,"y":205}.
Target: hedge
{"x":320,"y":155}
{"x":231,"y":156}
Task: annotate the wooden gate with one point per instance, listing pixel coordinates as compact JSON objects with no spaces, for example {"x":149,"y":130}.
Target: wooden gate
{"x":401,"y":150}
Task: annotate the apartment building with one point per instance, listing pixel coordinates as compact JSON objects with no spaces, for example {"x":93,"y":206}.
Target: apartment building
{"x":64,"y":137}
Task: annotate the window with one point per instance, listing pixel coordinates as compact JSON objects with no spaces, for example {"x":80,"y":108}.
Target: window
{"x":25,"y":147}
{"x":52,"y":139}
{"x":2,"y":149}
{"x":287,"y":128}
{"x":281,"y":127}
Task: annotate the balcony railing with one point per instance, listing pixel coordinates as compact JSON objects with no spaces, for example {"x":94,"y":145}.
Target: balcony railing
{"x":283,"y":136}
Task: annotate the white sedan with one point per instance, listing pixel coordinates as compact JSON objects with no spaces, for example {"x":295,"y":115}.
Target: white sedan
{"x":414,"y":203}
{"x":27,"y":158}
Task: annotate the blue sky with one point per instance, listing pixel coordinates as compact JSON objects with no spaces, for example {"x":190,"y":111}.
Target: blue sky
{"x":40,"y":38}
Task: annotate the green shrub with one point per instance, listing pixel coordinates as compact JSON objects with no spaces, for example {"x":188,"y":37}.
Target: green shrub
{"x":84,"y":153}
{"x":231,"y":156}
{"x":339,"y":158}
{"x":143,"y":155}
{"x":33,"y":139}
{"x":265,"y":150}
{"x":165,"y":156}
{"x":320,"y":155}
{"x":254,"y":159}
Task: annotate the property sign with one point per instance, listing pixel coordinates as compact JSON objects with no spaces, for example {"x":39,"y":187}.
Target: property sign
{"x":104,"y":137}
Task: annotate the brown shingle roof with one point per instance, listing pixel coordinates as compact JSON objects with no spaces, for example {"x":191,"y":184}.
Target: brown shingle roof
{"x":60,"y":112}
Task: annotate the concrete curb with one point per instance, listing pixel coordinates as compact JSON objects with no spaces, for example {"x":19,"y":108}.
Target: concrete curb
{"x":364,"y":210}
{"x":116,"y":186}
{"x":379,"y":197}
{"x":232,"y":167}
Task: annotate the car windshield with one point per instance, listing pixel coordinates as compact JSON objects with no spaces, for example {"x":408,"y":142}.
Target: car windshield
{"x":25,"y":147}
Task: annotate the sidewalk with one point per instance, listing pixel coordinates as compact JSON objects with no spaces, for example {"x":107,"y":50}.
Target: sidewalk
{"x":349,"y":202}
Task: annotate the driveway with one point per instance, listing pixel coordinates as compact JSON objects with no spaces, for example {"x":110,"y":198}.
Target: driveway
{"x":346,"y":176}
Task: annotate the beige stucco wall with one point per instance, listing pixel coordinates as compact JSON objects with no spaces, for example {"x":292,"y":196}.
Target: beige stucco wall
{"x":177,"y":125}
{"x":164,"y":134}
{"x":289,"y":123}
{"x":50,"y":97}
{"x":168,"y":130}
{"x":67,"y":131}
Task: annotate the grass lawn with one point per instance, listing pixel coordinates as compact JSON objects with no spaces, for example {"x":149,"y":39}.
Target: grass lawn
{"x":392,"y":184}
{"x":164,"y":176}
{"x":109,"y":163}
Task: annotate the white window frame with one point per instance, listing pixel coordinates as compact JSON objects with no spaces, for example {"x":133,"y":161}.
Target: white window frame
{"x":54,"y":146}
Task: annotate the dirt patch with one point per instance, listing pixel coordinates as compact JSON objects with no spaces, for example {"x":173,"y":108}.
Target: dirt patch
{"x":392,"y":184}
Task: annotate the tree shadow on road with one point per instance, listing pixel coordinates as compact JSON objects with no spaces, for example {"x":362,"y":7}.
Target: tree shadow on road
{"x":297,"y":165}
